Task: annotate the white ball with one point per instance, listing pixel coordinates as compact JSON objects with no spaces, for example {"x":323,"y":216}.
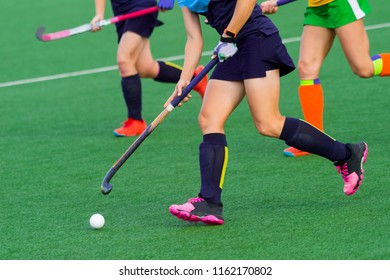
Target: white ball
{"x":96,"y":221}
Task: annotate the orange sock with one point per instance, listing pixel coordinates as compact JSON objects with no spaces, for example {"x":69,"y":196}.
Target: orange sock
{"x":381,"y":64}
{"x":385,"y":64}
{"x":311,"y":97}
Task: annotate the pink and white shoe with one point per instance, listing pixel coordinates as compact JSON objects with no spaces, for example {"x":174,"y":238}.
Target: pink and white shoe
{"x":352,"y":170}
{"x":198,"y":210}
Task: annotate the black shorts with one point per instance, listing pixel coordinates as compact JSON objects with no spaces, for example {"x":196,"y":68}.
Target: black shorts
{"x":143,"y":25}
{"x":257,"y":53}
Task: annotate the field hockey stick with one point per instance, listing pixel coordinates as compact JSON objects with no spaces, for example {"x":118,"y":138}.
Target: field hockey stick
{"x":40,"y":33}
{"x":283,"y":2}
{"x":106,"y":187}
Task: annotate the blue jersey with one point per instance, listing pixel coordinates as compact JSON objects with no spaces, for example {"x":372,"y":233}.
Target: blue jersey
{"x":220,"y":12}
{"x":197,"y":6}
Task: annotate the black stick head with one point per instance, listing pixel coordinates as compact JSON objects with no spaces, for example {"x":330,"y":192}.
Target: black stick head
{"x":39,"y":33}
{"x":105,"y":188}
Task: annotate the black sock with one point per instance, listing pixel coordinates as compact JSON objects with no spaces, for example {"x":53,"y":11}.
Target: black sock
{"x":168,"y":73}
{"x":131,"y":88}
{"x":213,"y":157}
{"x":303,"y":136}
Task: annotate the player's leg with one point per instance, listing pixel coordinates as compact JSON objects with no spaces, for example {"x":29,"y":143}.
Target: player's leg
{"x":316,"y":43}
{"x":355,"y":43}
{"x":221,"y":99}
{"x":165,"y":72}
{"x":133,"y":37}
{"x":130,"y":47}
{"x":354,"y":40}
{"x":263,"y":99}
{"x":315,"y":46}
{"x":264,"y":103}
{"x":160,"y":71}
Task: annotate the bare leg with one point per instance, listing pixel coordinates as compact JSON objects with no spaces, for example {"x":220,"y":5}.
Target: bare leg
{"x":356,"y":46}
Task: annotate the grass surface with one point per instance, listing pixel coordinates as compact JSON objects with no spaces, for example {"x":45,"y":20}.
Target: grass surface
{"x":56,"y":145}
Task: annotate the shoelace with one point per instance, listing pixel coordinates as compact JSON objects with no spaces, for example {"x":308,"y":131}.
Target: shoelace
{"x":127,"y":123}
{"x":343,"y":170}
{"x":195,"y":199}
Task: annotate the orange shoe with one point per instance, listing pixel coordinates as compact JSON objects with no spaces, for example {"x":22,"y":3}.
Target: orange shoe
{"x":201,"y":86}
{"x":293,"y":152}
{"x":130,"y":127}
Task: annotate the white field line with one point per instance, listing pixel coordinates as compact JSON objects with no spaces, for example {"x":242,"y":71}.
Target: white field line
{"x":111,"y":68}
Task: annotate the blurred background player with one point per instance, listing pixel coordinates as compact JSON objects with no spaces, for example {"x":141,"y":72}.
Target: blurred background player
{"x":324,"y":20}
{"x":135,"y":60}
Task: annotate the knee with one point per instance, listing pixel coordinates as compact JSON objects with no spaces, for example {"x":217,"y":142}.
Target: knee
{"x":124,"y":65}
{"x":210,"y":124}
{"x":143,"y":73}
{"x":127,"y":67}
{"x":364,"y":70}
{"x":265,"y":130}
{"x":270,"y":128}
{"x":307,"y":69}
{"x":203,"y":122}
{"x":148,"y":69}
